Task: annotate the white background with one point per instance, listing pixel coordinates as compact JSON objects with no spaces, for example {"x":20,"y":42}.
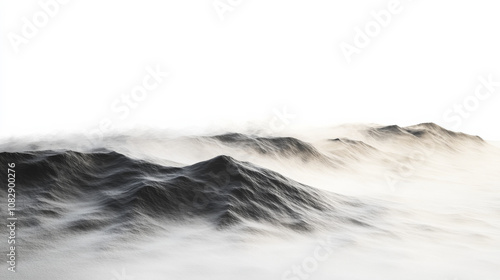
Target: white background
{"x":237,"y":72}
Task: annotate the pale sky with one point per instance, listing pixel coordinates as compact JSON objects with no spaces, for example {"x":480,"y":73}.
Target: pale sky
{"x":85,"y":64}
